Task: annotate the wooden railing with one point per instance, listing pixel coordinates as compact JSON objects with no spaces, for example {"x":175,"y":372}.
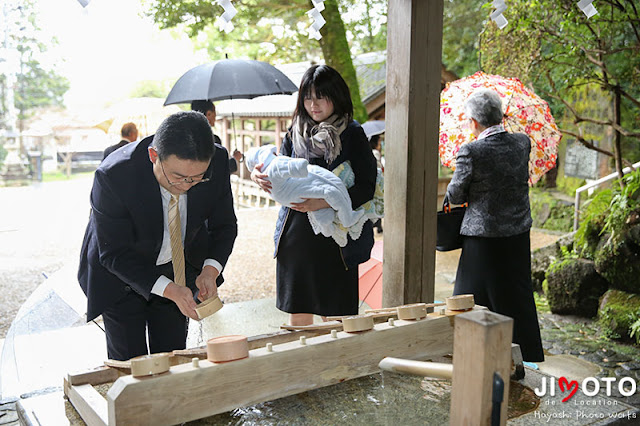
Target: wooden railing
{"x":247,"y":193}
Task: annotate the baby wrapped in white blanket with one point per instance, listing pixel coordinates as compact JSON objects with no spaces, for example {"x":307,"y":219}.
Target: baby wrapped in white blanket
{"x":293,"y":179}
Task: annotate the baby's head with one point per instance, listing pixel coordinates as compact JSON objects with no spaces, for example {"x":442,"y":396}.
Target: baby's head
{"x":263,"y":154}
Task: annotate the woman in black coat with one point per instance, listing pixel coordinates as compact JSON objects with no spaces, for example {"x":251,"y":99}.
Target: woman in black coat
{"x":492,"y":177}
{"x":313,"y":274}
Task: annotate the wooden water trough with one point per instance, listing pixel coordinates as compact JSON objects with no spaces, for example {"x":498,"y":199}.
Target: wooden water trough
{"x":278,"y":365}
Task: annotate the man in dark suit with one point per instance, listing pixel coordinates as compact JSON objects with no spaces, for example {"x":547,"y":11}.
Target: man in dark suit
{"x":209,"y":111}
{"x":129,"y":133}
{"x":128,"y":255}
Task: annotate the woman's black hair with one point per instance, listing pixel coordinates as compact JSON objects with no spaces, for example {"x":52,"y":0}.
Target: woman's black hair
{"x":374,"y":141}
{"x":187,"y":135}
{"x":328,"y":83}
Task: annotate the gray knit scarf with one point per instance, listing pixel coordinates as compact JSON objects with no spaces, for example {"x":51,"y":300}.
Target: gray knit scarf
{"x":318,"y":140}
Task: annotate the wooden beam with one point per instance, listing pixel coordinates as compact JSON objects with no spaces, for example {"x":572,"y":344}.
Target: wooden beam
{"x":187,"y":393}
{"x":257,"y":132}
{"x":482,"y":346}
{"x":97,"y":376}
{"x":414,"y":46}
{"x":91,"y":406}
{"x":278,"y":133}
{"x":259,"y":341}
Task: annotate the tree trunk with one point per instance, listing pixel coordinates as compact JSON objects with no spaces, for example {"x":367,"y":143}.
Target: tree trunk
{"x":335,"y":50}
{"x":617,"y":137}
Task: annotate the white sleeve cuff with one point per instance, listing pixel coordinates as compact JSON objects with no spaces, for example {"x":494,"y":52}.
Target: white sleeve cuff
{"x":214,"y":263}
{"x":161,"y":284}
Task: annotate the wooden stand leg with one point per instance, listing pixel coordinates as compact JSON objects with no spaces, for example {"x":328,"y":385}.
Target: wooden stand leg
{"x":481,"y":346}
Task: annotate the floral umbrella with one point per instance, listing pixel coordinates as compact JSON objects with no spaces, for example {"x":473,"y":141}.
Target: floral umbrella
{"x":524,"y":112}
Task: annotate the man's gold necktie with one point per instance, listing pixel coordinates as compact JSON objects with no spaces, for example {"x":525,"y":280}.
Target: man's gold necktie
{"x":175,"y":233}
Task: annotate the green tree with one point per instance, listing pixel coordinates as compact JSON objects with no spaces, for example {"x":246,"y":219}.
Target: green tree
{"x":269,"y":30}
{"x":553,"y":46}
{"x":151,"y":89}
{"x":35,"y":86}
{"x":366,"y":31}
{"x":38,"y":88}
{"x":463,"y":22}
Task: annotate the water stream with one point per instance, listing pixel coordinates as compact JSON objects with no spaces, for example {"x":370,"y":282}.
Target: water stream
{"x":378,"y":399}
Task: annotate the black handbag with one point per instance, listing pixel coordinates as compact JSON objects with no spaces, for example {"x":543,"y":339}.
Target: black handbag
{"x":359,"y":251}
{"x":449,"y":222}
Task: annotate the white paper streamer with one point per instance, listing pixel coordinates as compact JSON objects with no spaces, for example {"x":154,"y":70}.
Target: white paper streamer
{"x":587,"y":8}
{"x":497,"y":15}
{"x":224,"y":21}
{"x":318,"y":20}
{"x":318,"y":5}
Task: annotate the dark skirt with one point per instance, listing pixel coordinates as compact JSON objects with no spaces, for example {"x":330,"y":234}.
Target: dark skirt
{"x":311,"y":275}
{"x":497,"y":271}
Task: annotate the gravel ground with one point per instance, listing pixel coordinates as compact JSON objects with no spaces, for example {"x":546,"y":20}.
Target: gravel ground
{"x":43,"y":227}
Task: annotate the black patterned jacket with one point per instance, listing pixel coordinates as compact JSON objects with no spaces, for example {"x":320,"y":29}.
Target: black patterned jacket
{"x":492,"y":176}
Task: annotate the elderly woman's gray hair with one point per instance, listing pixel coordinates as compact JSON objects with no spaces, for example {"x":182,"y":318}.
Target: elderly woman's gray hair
{"x":485,"y":107}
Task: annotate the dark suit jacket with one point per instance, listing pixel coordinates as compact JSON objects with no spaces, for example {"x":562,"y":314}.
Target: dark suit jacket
{"x":492,"y":175}
{"x":112,"y":148}
{"x":125,"y":230}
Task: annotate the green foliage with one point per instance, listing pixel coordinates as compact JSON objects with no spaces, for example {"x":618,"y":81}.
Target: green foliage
{"x":463,"y":22}
{"x":566,"y":257}
{"x":592,"y":217}
{"x":607,"y":319}
{"x":276,"y":31}
{"x":152,"y":89}
{"x":551,"y":45}
{"x":634,"y":330}
{"x":3,"y":154}
{"x":607,"y":212}
{"x":38,"y":88}
{"x":542,"y":305}
{"x":623,"y":202}
{"x":619,"y":314}
{"x":367,"y":32}
{"x":560,"y":214}
{"x":35,"y":86}
{"x":59,"y":175}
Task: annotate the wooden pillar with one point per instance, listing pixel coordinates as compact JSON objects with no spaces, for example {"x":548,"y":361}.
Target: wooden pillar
{"x":278,"y":132}
{"x":414,"y":47}
{"x":258,"y":128}
{"x":481,"y":346}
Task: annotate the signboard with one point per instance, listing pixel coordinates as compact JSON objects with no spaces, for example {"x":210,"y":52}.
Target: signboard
{"x":580,"y":161}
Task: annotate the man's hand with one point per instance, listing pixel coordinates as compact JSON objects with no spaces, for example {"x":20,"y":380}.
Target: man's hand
{"x":261,"y":178}
{"x":310,"y":205}
{"x":237,"y":155}
{"x":183,"y":297}
{"x":206,"y":283}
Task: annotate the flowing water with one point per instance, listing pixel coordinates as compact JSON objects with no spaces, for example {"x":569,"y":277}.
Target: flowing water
{"x":378,"y":399}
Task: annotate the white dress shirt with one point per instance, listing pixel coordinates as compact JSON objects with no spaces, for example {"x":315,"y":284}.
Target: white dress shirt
{"x":165,"y":251}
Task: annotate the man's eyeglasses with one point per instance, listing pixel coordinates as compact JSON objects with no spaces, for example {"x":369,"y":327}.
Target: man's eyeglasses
{"x":188,"y":179}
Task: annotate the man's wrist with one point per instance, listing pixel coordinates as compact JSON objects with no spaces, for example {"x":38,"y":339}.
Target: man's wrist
{"x":211,"y":269}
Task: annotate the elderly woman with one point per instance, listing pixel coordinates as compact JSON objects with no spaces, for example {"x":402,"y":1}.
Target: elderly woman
{"x":495,"y":266}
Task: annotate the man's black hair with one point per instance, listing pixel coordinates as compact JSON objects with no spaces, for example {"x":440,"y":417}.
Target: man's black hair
{"x":187,"y":135}
{"x":202,"y":106}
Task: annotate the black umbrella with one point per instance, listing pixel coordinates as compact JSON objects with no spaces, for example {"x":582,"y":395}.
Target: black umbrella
{"x":230,"y":79}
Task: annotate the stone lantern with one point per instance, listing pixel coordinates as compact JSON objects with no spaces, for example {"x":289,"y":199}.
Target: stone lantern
{"x":14,"y":169}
